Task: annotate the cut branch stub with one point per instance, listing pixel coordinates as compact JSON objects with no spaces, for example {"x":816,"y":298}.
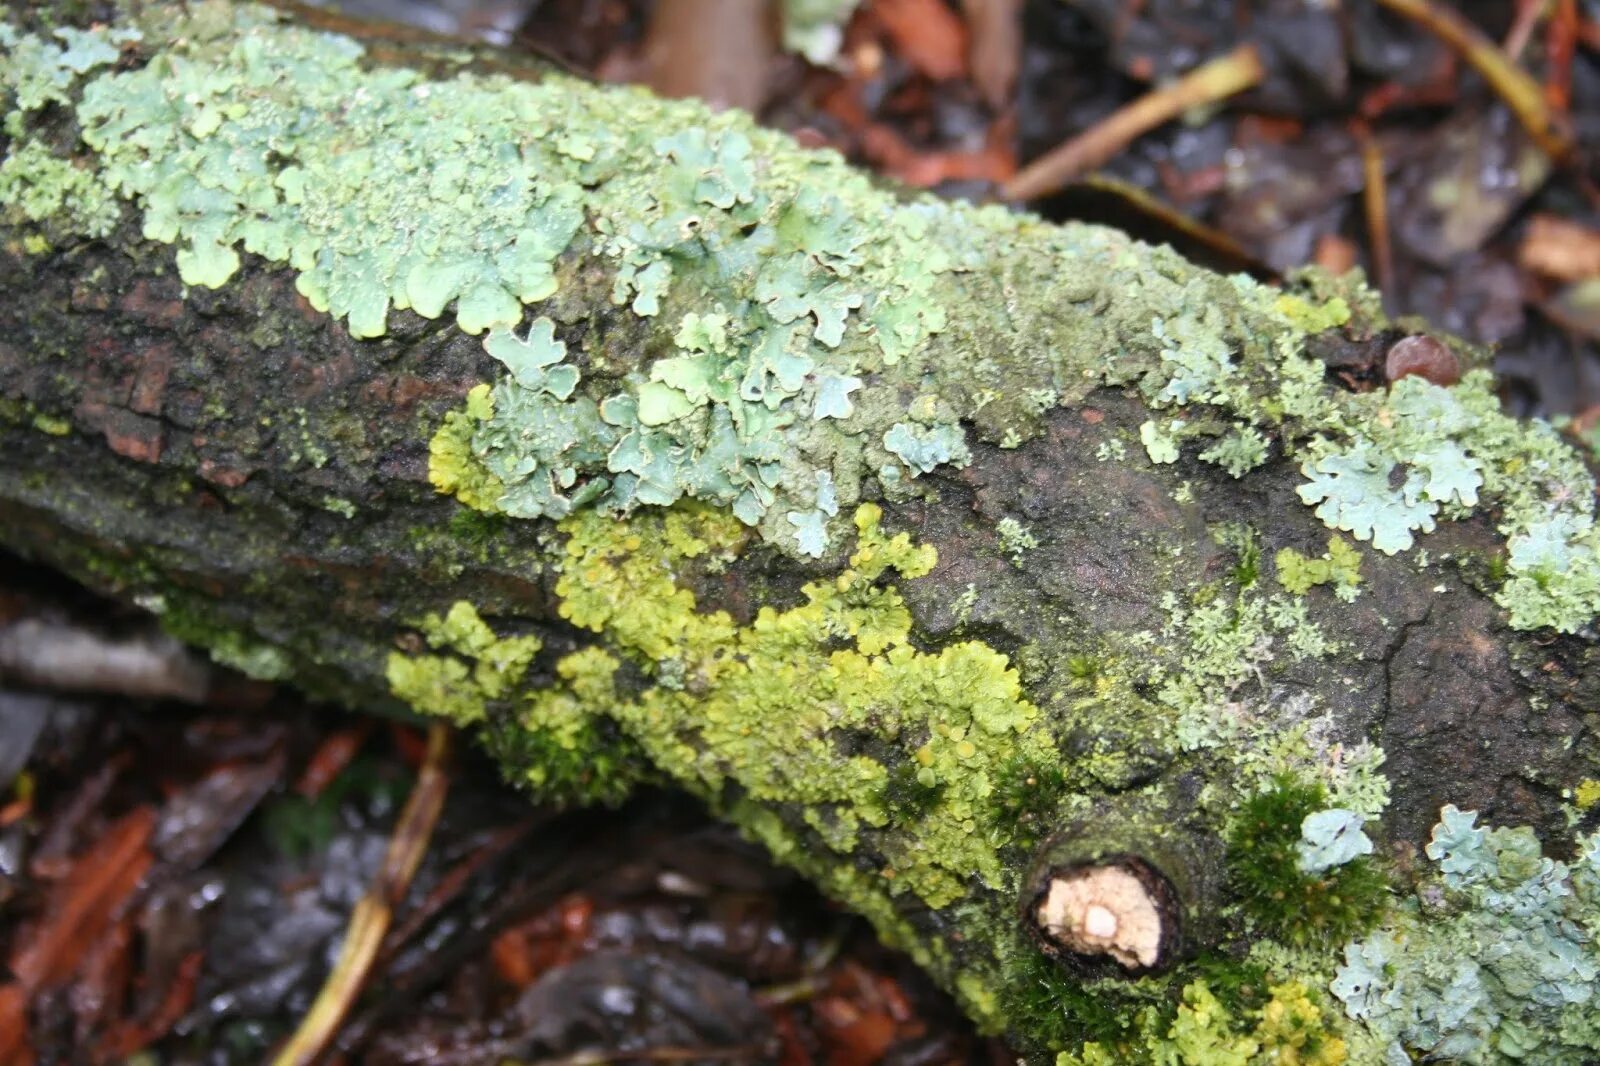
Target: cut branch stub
{"x":1120,"y":909}
{"x":1127,"y":889}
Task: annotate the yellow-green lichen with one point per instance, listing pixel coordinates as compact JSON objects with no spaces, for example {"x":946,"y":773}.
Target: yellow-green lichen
{"x":1339,"y":566}
{"x":453,"y":468}
{"x":1311,"y":317}
{"x":38,"y":187}
{"x":476,"y":668}
{"x":807,"y":705}
{"x":476,"y":677}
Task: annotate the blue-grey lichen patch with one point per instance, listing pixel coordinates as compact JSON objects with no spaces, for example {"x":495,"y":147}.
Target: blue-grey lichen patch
{"x":1384,"y":466}
{"x":815,"y":28}
{"x":1496,"y":958}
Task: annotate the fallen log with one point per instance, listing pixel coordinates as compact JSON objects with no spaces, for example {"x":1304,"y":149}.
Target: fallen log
{"x":1125,"y":641}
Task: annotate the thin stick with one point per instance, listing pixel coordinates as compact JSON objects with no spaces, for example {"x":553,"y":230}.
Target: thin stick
{"x":1208,"y":83}
{"x":1521,"y":93}
{"x":1375,"y":202}
{"x":1523,"y":22}
{"x":1560,"y":42}
{"x":370,"y":919}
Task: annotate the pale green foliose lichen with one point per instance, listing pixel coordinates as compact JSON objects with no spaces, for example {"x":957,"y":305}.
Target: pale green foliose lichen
{"x":1016,"y":540}
{"x":1384,"y":465}
{"x":1330,"y":838}
{"x":784,"y":300}
{"x":798,"y":329}
{"x":35,"y":185}
{"x":1158,"y":443}
{"x":1496,"y":958}
{"x":41,"y":70}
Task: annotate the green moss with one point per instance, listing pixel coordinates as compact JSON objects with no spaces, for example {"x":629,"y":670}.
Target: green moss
{"x":1063,"y":1011}
{"x":196,"y":624}
{"x":1317,"y":909}
{"x":1027,"y":795}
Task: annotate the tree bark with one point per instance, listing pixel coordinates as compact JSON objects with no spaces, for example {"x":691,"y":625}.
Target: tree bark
{"x":1104,"y":657}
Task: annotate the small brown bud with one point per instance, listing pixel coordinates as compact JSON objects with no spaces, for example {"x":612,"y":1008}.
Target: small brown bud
{"x":1424,"y":356}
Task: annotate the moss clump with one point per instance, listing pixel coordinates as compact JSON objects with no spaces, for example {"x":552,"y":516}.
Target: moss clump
{"x":1300,"y":908}
{"x":1060,"y":1010}
{"x":1027,"y":793}
{"x":1288,"y":1030}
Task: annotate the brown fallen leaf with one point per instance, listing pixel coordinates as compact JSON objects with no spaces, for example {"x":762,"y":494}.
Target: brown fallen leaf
{"x":15,"y":1047}
{"x":129,"y":1036}
{"x":1560,"y":248}
{"x":87,"y":902}
{"x":926,"y":34}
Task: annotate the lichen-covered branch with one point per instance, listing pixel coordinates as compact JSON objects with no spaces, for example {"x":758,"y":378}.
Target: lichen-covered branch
{"x":1129,"y":643}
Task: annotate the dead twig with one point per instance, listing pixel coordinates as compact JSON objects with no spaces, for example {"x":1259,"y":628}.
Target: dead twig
{"x":1208,"y":83}
{"x":1528,"y":14}
{"x":1560,"y":45}
{"x":1375,"y":203}
{"x":370,"y":919}
{"x":1511,"y":83}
